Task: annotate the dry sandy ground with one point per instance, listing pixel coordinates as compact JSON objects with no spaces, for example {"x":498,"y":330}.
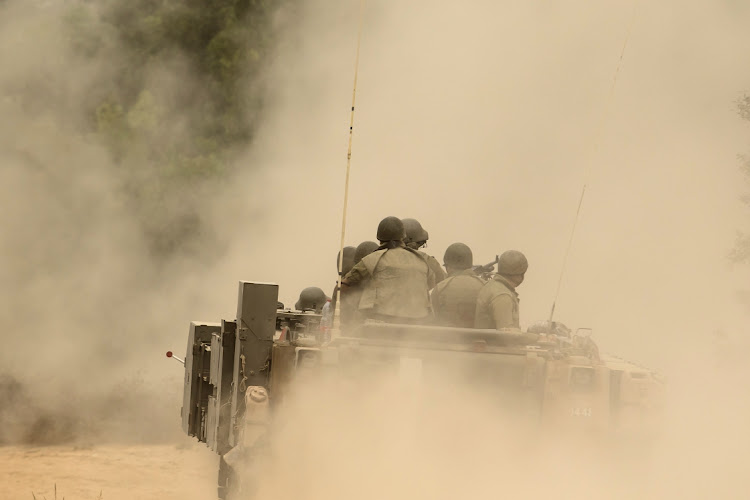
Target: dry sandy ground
{"x":185,"y":471}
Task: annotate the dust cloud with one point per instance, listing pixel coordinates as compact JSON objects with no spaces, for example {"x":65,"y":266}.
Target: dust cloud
{"x":89,"y":308}
{"x":483,"y":121}
{"x":412,"y":437}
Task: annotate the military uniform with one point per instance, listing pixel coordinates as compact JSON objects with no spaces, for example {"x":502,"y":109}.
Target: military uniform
{"x":395,"y":285}
{"x":350,"y":316}
{"x":497,"y":305}
{"x":454,"y":300}
{"x":416,"y":238}
{"x":437,"y":269}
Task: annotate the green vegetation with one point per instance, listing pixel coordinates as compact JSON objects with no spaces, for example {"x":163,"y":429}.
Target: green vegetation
{"x":176,"y":96}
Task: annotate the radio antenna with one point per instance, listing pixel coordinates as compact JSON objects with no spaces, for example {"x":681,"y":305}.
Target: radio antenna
{"x":594,"y":148}
{"x":337,"y":311}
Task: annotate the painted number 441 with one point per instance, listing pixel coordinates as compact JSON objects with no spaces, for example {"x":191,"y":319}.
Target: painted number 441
{"x":580,"y":412}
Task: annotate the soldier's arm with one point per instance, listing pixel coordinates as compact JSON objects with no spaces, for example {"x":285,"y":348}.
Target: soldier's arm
{"x":357,"y":275}
{"x":434,"y":300}
{"x":436,"y":269}
{"x":502,"y":311}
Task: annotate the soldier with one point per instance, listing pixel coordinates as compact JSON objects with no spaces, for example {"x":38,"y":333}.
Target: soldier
{"x":350,"y":316}
{"x":395,"y":280}
{"x":416,"y":238}
{"x":364,"y":249}
{"x":454,"y":300}
{"x":311,"y":299}
{"x":348,"y":260}
{"x":497,"y":302}
{"x":347,"y":265}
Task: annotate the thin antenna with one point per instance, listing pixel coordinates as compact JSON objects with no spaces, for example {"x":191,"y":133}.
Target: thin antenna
{"x":594,"y":148}
{"x":337,"y":311}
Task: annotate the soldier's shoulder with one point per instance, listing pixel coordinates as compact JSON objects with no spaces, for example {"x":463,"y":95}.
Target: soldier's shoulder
{"x":429,"y":257}
{"x":370,"y":261}
{"x":491,"y":286}
{"x":485,"y":289}
{"x":442,"y":284}
{"x":417,"y":253}
{"x":471,"y":279}
{"x":374,"y":255}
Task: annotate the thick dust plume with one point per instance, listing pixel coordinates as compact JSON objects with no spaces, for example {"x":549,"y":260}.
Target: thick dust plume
{"x":431,"y":433}
{"x":485,"y":121}
{"x":106,"y":258}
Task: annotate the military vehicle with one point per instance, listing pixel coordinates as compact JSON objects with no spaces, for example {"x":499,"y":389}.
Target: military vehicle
{"x":237,"y":371}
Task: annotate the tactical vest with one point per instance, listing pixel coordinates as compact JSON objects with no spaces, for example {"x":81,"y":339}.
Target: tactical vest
{"x":398,"y":284}
{"x":494,"y":288}
{"x":455,"y":299}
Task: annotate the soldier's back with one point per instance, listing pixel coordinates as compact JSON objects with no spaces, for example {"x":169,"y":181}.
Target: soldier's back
{"x":398,"y":286}
{"x":488,"y":307}
{"x":454,"y":299}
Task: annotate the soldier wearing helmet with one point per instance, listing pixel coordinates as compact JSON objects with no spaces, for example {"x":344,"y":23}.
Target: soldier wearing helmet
{"x":350,"y":316}
{"x":363,"y":250}
{"x":394,"y":280}
{"x":348,"y":260}
{"x":497,"y":302}
{"x":454,"y":300}
{"x":416,"y":238}
{"x":311,"y":299}
{"x":347,"y":265}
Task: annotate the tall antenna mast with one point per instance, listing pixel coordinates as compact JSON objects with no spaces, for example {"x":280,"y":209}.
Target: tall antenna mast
{"x":337,"y":311}
{"x":594,"y":148}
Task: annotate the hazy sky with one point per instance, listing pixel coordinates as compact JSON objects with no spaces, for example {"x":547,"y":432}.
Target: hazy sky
{"x":484,"y":121}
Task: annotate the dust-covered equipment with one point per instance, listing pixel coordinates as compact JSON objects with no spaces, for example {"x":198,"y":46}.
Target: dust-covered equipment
{"x":222,"y":360}
{"x":296,"y":325}
{"x":237,"y":371}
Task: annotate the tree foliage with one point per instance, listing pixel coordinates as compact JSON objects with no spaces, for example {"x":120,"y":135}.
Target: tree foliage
{"x":178,"y":96}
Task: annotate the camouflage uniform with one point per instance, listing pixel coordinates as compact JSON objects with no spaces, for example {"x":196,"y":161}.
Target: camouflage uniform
{"x":497,"y":305}
{"x":395,"y":285}
{"x":454,"y":300}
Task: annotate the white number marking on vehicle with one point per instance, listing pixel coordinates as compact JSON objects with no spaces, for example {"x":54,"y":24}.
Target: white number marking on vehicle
{"x":580,"y":412}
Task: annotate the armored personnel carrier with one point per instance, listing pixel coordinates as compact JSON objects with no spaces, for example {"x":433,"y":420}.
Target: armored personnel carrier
{"x":238,"y":371}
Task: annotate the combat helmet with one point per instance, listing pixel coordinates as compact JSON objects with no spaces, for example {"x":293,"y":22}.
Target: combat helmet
{"x":348,"y":260}
{"x":415,"y":233}
{"x":311,"y":299}
{"x":512,"y":263}
{"x":364,"y":249}
{"x":390,"y":229}
{"x":458,"y":255}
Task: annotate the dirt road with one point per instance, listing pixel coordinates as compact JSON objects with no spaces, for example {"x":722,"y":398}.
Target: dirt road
{"x":184,"y":471}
